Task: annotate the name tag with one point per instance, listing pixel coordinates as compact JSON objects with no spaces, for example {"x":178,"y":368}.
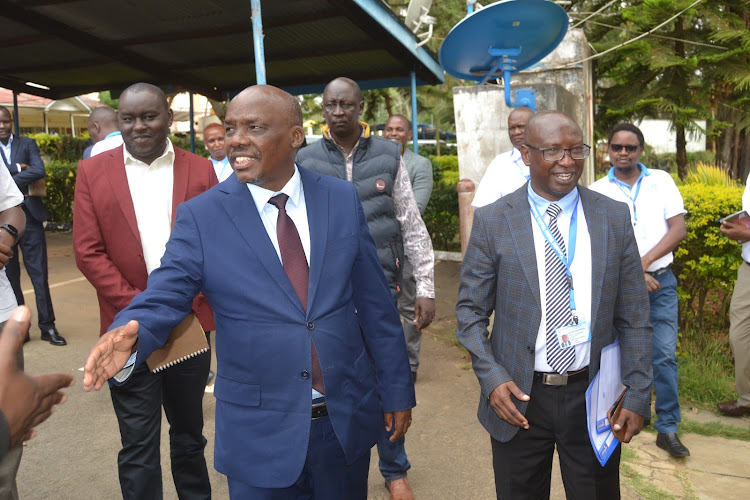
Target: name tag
{"x":572,"y":335}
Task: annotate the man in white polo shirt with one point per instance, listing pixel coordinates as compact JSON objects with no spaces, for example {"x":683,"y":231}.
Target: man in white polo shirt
{"x":657,"y":213}
{"x":507,"y":172}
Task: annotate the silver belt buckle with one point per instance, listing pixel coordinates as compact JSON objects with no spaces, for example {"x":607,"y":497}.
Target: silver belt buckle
{"x":554,"y":379}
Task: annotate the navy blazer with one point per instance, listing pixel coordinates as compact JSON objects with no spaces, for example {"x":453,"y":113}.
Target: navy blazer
{"x":499,"y":274}
{"x":263,"y":388}
{"x":25,"y":150}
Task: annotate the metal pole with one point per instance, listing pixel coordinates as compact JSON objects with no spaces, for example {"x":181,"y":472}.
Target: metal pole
{"x":414,"y":118}
{"x":192,"y":124}
{"x":16,"y":126}
{"x":260,"y":55}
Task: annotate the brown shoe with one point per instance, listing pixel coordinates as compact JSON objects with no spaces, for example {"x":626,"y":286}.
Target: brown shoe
{"x":733,"y":408}
{"x":400,"y":489}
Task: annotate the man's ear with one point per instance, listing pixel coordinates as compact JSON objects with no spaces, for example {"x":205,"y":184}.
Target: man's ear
{"x":525,"y":152}
{"x":298,"y":137}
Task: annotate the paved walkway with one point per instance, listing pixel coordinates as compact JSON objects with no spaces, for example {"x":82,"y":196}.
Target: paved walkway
{"x":74,"y":454}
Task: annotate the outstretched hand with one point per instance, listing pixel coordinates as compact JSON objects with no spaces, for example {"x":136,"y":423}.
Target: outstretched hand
{"x":109,"y":355}
{"x":26,"y":401}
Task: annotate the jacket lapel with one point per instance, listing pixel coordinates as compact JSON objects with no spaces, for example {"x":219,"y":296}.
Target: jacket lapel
{"x":181,"y":174}
{"x":523,"y":237}
{"x":316,"y":200}
{"x":240,"y":208}
{"x":118,"y":180}
{"x":596,"y":221}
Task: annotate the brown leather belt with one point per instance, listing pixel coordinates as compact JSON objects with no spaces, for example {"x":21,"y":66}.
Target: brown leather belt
{"x":319,"y":410}
{"x":557,"y":379}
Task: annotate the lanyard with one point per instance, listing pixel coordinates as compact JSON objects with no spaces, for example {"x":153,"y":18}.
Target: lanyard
{"x":629,"y":190}
{"x":572,"y":233}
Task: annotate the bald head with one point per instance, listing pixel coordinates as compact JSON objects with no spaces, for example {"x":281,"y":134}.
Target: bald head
{"x":342,"y":106}
{"x":102,"y":122}
{"x":140,"y":87}
{"x":551,"y":139}
{"x":263,"y":133}
{"x":517,"y":121}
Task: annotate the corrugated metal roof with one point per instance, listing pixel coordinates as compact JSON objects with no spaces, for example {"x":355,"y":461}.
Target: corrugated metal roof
{"x":74,"y":47}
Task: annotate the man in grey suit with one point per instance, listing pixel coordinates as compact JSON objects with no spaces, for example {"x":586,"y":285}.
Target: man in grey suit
{"x":398,"y":129}
{"x":550,"y":240}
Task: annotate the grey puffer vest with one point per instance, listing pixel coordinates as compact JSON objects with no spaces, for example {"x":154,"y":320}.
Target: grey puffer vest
{"x":376,"y":162}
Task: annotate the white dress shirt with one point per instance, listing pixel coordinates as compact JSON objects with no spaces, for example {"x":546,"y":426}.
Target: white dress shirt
{"x":506,"y":173}
{"x":151,"y":189}
{"x":111,"y":141}
{"x":580,"y":269}
{"x":10,"y":196}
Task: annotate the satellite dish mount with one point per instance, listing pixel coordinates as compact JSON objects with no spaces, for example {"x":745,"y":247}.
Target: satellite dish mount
{"x":501,"y":39}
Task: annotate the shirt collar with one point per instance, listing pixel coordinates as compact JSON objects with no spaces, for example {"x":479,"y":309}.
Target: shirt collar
{"x":168,"y":152}
{"x":219,"y":162}
{"x":293,"y":189}
{"x":567,"y":202}
{"x":113,"y":134}
{"x":612,"y":178}
{"x":10,"y":141}
{"x":515,"y":154}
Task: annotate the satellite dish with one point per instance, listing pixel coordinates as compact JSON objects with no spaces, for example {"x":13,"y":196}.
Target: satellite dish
{"x":502,"y":39}
{"x":416,"y":17}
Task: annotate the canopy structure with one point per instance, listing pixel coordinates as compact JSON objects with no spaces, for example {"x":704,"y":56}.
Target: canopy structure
{"x":71,"y":47}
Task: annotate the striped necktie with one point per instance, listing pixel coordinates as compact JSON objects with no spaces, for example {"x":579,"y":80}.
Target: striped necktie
{"x":558,"y":297}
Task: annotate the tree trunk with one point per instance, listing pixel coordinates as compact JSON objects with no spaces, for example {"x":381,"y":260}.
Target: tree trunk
{"x":681,"y":152}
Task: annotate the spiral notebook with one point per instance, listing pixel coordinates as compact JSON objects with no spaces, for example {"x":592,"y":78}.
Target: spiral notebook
{"x":185,"y":341}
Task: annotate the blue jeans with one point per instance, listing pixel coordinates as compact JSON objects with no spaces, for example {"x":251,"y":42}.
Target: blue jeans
{"x":664,"y":359}
{"x":393,"y":462}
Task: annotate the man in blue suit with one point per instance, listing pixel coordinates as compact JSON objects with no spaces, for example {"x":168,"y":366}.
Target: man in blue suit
{"x":21,"y":156}
{"x":299,"y":404}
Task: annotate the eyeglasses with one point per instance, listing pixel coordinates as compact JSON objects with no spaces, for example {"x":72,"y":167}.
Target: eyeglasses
{"x":616,"y":148}
{"x":557,"y":154}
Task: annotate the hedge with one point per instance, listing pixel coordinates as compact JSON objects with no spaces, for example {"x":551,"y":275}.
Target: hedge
{"x":706,"y":261}
{"x":441,"y":215}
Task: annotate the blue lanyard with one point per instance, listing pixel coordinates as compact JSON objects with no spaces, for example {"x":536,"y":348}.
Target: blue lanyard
{"x":572,"y":233}
{"x":628,"y":191}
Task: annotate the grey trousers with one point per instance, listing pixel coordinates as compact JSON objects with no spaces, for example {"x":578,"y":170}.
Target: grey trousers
{"x":739,"y":333}
{"x":406,"y":308}
{"x":12,"y":460}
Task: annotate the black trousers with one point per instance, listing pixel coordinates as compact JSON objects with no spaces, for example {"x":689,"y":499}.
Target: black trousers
{"x":557,"y":419}
{"x":33,"y":246}
{"x":138,"y":404}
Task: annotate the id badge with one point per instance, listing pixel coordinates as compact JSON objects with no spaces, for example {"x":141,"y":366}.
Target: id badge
{"x":572,"y":335}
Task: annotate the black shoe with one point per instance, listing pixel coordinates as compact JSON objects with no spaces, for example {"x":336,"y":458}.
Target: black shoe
{"x":670,"y":442}
{"x":414,"y":376}
{"x":53,"y":336}
{"x":211,"y":376}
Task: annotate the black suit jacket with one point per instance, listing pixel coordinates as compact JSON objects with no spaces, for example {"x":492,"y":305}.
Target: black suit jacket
{"x":25,"y":150}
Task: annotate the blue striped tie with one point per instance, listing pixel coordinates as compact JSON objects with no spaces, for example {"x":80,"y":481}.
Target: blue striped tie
{"x":558,"y":298}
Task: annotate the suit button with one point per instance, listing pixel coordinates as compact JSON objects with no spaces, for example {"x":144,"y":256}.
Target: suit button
{"x":310,"y":325}
{"x":305,"y":374}
{"x":530,"y":348}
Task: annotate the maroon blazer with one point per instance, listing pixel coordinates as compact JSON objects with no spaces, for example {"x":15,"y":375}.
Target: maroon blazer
{"x":106,"y":241}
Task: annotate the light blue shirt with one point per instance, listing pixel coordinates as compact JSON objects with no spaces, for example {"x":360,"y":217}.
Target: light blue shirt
{"x":7,"y":150}
{"x":222,"y":168}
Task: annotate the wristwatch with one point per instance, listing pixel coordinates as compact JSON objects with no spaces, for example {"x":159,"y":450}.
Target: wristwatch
{"x":11,"y":230}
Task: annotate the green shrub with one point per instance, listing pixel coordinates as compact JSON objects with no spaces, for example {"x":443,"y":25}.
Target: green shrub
{"x":441,"y":215}
{"x":61,"y":182}
{"x":709,"y":175}
{"x":61,"y":147}
{"x":183,"y":142}
{"x":706,"y":261}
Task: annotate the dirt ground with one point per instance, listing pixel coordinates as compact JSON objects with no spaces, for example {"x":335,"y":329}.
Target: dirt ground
{"x":74,"y":454}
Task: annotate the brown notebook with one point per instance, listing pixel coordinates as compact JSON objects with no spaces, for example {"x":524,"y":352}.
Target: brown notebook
{"x":185,"y":341}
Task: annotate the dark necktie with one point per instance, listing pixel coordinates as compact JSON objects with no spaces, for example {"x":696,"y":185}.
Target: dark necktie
{"x":297,"y":270}
{"x":558,"y":297}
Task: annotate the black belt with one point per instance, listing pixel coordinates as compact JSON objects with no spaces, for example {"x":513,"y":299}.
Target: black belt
{"x":557,"y":379}
{"x":658,"y":272}
{"x":319,"y":410}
